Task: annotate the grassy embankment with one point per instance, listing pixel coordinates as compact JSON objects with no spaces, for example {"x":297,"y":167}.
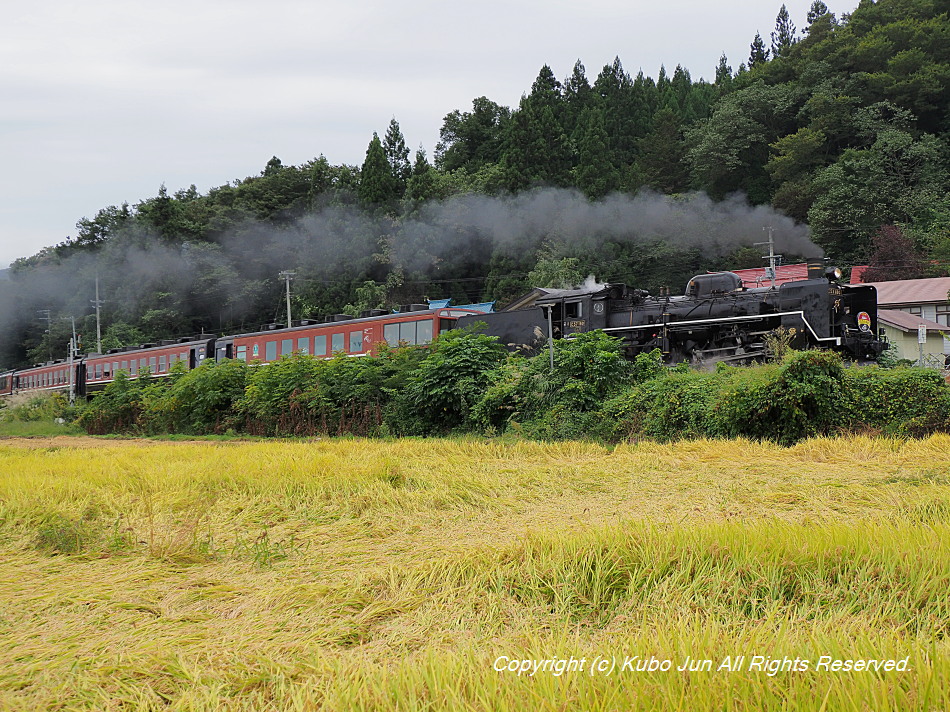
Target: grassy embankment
{"x":355,"y":574}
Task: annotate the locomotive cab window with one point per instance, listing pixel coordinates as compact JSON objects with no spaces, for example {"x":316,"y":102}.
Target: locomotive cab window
{"x":573,"y":310}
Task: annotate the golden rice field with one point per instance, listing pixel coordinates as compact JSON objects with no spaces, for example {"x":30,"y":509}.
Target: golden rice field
{"x":418,"y":575}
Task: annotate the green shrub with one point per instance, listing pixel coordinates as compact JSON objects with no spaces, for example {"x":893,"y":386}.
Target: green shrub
{"x":197,"y":402}
{"x":895,"y":400}
{"x":115,"y":409}
{"x":42,"y":407}
{"x":785,"y":404}
{"x":588,"y":369}
{"x":441,"y":392}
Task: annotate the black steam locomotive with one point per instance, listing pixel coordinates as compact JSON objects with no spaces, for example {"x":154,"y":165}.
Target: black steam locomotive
{"x":717,"y":319}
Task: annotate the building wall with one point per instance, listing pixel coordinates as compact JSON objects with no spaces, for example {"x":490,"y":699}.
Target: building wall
{"x":907,"y":347}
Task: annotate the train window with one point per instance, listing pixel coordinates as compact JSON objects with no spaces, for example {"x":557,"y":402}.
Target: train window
{"x":152,"y":363}
{"x":336,"y":343}
{"x":356,"y":342}
{"x":125,"y":366}
{"x":573,"y":310}
{"x":162,"y":365}
{"x":242,"y":353}
{"x":98,"y":371}
{"x":133,"y":368}
{"x":115,"y":368}
{"x":446,"y":325}
{"x":106,"y":370}
{"x":320,"y":345}
{"x":303,"y":345}
{"x":143,"y":364}
{"x":424,"y":332}
{"x":172,"y":359}
{"x":407,"y":331}
{"x":270,"y":351}
{"x":391,"y":334}
{"x":183,"y":357}
{"x":286,"y":347}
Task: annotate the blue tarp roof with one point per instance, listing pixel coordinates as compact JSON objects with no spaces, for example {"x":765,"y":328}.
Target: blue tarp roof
{"x":484,"y":307}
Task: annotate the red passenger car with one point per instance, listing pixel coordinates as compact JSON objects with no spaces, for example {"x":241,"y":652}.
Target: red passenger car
{"x":157,"y":359}
{"x":6,"y":383}
{"x":45,"y":377}
{"x":344,"y":335}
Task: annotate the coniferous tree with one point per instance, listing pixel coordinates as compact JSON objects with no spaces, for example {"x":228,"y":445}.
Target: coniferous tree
{"x":784,"y":36}
{"x":377,"y":185}
{"x":537,"y":150}
{"x":662,"y":162}
{"x":595,"y":174}
{"x":818,"y":9}
{"x":397,"y":154}
{"x":577,"y":95}
{"x":723,"y":75}
{"x":757,"y":52}
{"x":422,"y":181}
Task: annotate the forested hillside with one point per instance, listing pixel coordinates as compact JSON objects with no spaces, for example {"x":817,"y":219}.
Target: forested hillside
{"x":841,"y":126}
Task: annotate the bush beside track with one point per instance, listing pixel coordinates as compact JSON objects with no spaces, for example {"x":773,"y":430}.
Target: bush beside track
{"x":465,"y":382}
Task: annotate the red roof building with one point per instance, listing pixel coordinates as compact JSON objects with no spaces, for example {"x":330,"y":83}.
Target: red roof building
{"x":758,"y":277}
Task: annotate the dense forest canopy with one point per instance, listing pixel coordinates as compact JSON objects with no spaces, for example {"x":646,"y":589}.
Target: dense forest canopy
{"x":842,"y":126}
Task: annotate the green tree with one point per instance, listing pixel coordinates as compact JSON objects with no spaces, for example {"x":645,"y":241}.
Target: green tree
{"x":473,"y":139}
{"x":537,"y":150}
{"x":595,"y":174}
{"x":377,"y":185}
{"x":662,"y":162}
{"x":397,"y":154}
{"x":422,"y":182}
{"x":758,"y":54}
{"x":784,"y":35}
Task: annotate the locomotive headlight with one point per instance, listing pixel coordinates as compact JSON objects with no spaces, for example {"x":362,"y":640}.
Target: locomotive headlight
{"x":833,"y":273}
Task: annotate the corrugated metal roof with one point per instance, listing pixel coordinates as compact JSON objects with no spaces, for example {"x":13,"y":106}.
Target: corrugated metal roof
{"x":912,"y":291}
{"x":908,"y":322}
{"x":757,"y":276}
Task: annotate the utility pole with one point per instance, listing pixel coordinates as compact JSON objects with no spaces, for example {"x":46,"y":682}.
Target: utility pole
{"x":47,"y":317}
{"x":97,"y":302}
{"x":287,"y":275}
{"x":774,"y":259}
{"x":71,"y":360}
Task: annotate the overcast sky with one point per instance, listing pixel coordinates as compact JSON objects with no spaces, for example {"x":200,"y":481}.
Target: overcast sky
{"x":102,"y":102}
